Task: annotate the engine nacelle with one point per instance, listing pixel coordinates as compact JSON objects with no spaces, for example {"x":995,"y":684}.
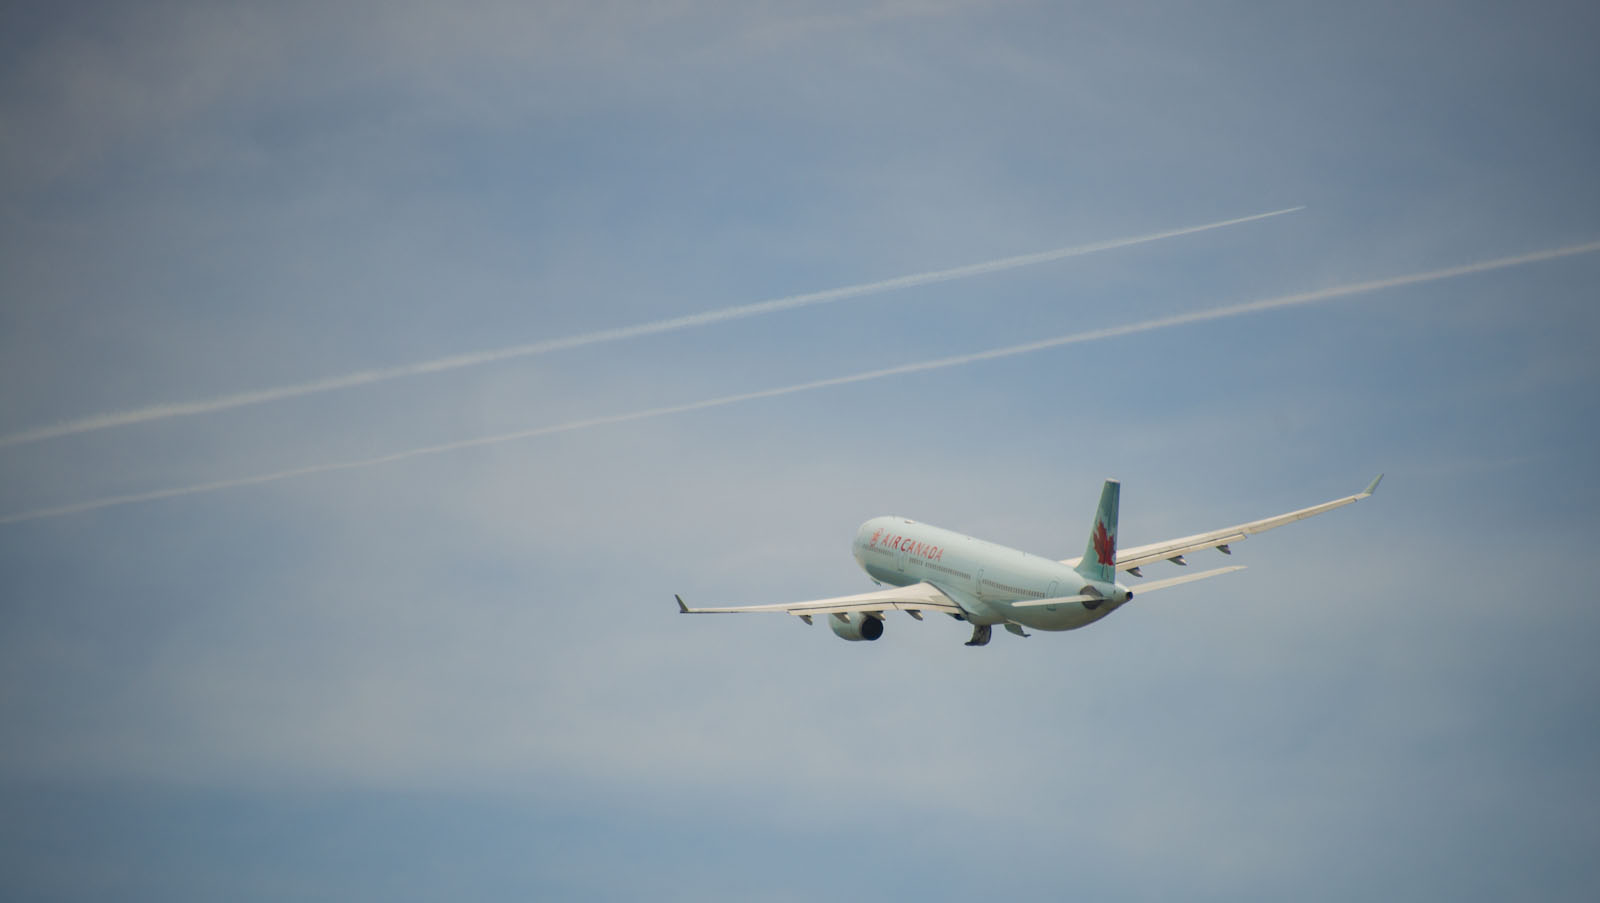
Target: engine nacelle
{"x":860,"y":626}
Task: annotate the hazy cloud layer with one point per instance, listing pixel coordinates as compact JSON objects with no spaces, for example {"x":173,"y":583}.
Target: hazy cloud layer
{"x":465,"y":672}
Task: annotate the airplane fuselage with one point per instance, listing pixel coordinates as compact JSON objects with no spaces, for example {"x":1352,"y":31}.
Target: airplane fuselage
{"x":984,"y":578}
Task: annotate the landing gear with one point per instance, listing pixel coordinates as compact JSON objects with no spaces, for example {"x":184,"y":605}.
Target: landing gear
{"x":980,"y":635}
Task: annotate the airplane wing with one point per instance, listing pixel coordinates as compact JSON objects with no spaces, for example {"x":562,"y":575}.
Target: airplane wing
{"x":1173,"y":549}
{"x":916,"y":598}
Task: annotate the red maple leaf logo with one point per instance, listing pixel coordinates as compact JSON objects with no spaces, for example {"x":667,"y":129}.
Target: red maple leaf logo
{"x":1105,"y":545}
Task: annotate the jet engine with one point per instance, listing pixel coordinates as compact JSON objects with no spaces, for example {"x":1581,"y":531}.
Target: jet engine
{"x":860,"y":626}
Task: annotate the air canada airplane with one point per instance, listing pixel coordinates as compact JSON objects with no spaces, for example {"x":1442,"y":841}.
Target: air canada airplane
{"x":984,"y":584}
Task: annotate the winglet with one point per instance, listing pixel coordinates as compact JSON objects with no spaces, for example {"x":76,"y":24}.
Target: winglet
{"x":681,"y":607}
{"x":1371,"y":487}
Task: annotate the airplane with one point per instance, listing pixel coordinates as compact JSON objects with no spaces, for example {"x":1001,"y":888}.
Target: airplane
{"x":983,"y":583}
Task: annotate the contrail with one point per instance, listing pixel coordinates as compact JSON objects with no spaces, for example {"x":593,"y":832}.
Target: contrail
{"x":706,"y":318}
{"x":960,"y":360}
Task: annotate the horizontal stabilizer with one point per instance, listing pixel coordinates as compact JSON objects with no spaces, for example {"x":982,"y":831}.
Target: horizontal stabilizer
{"x":1060,"y":600}
{"x":1143,"y":588}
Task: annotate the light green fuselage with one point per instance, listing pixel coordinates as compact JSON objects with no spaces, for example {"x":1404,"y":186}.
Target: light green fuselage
{"x":984,"y":578}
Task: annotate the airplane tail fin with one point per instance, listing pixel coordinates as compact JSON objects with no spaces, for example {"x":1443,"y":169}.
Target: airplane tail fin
{"x":1100,"y":557}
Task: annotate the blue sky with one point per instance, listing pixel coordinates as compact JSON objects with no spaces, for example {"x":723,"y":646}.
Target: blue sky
{"x":464,"y":671}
